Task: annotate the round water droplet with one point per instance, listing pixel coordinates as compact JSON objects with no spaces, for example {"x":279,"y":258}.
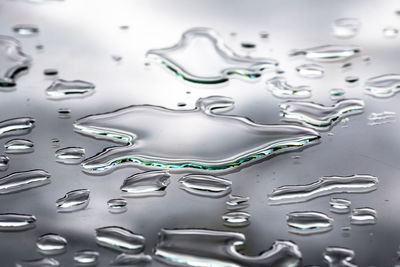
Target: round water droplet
{"x":390,"y":32}
{"x":346,"y":27}
{"x":86,"y":257}
{"x":51,"y":244}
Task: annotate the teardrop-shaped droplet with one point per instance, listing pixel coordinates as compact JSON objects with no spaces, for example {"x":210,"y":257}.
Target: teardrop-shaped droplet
{"x":280,"y":88}
{"x":120,"y":239}
{"x":86,"y":257}
{"x":4,"y":162}
{"x":390,"y":32}
{"x":131,"y":260}
{"x":328,"y":53}
{"x":73,"y":201}
{"x":236,"y":202}
{"x":236,"y":219}
{"x":20,"y":181}
{"x":26,"y":29}
{"x":310,"y":71}
{"x":337,"y":93}
{"x":70,"y":155}
{"x":62,"y":89}
{"x":339,"y":257}
{"x":346,"y":27}
{"x":385,"y":85}
{"x":16,"y":222}
{"x":151,"y":183}
{"x":19,"y":146}
{"x":308,"y":222}
{"x":205,"y":185}
{"x":340,"y":205}
{"x":18,"y":126}
{"x":363,"y":216}
{"x":51,"y":244}
{"x":117,"y":205}
{"x":44,"y":262}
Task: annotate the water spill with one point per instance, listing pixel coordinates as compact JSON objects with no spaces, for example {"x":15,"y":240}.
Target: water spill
{"x":322,"y":187}
{"x":310,"y":71}
{"x":236,"y":219}
{"x":44,"y":262}
{"x":120,"y":239}
{"x":363,"y":216}
{"x":351,"y":79}
{"x":51,"y":244}
{"x":385,"y":85}
{"x":70,"y":155}
{"x":50,"y":72}
{"x":26,"y":29}
{"x":280,"y":88}
{"x":201,"y":131}
{"x":13,"y":61}
{"x":4,"y":163}
{"x":86,"y":257}
{"x":73,"y":201}
{"x":19,"y":181}
{"x":236,"y":66}
{"x":328,"y":53}
{"x":131,"y":260}
{"x":345,"y":28}
{"x":19,"y":146}
{"x":318,"y":116}
{"x":236,"y":202}
{"x":117,"y":205}
{"x":205,"y":185}
{"x":17,"y":126}
{"x":339,"y":257}
{"x":151,"y":183}
{"x":337,"y":93}
{"x":198,"y":247}
{"x":64,"y":113}
{"x":16,"y":222}
{"x":308,"y":222}
{"x":390,"y":32}
{"x":382,"y":118}
{"x":339,"y":205}
{"x":62,"y":89}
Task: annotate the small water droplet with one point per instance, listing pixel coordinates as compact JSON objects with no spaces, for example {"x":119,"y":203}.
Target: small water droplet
{"x":51,"y":244}
{"x":346,"y":66}
{"x":310,"y":71}
{"x":55,"y":142}
{"x":18,"y":146}
{"x":39,"y":47}
{"x":339,"y":257}
{"x":263,"y":34}
{"x":86,"y":257}
{"x":346,"y":27}
{"x":236,"y":202}
{"x":4,"y":160}
{"x":124,"y":27}
{"x":351,"y":79}
{"x":366,"y":59}
{"x":248,"y":45}
{"x":151,"y":183}
{"x":131,"y":260}
{"x":308,"y":222}
{"x":120,"y":239}
{"x":363,"y":216}
{"x":382,"y":118}
{"x":50,"y":72}
{"x":116,"y":58}
{"x":44,"y":262}
{"x":280,"y":88}
{"x":386,"y":85}
{"x":64,"y":113}
{"x":26,"y":29}
{"x":390,"y":32}
{"x":236,"y":219}
{"x":337,"y":93}
{"x":70,"y":155}
{"x":16,"y":222}
{"x":62,"y":89}
{"x":73,"y":201}
{"x":328,"y":53}
{"x":205,"y":185}
{"x":181,"y":104}
{"x":117,"y":205}
{"x":19,"y":181}
{"x":340,"y":205}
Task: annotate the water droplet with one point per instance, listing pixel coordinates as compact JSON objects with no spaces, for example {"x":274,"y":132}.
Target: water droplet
{"x":18,"y":146}
{"x":280,"y":88}
{"x":18,"y":126}
{"x":346,"y":66}
{"x":50,"y":72}
{"x":124,"y":27}
{"x":263,"y":35}
{"x":204,"y":137}
{"x":236,"y":219}
{"x":16,"y":222}
{"x":318,"y":116}
{"x":340,"y":205}
{"x":279,"y":71}
{"x":382,"y":117}
{"x":235,"y":65}
{"x":117,"y":205}
{"x":310,"y":71}
{"x":55,"y":142}
{"x":86,"y":257}
{"x":366,"y":59}
{"x":73,"y":201}
{"x":390,"y":32}
{"x":328,"y":53}
{"x":26,"y":29}
{"x":237,"y":202}
{"x":181,"y":104}
{"x":351,"y":79}
{"x":131,"y":260}
{"x":62,"y":89}
{"x":4,"y":162}
{"x":205,"y":185}
{"x":385,"y":85}
{"x":120,"y":239}
{"x":39,"y":47}
{"x":44,"y":262}
{"x":363,"y":216}
{"x":19,"y":181}
{"x":51,"y":244}
{"x":151,"y":183}
{"x":308,"y":222}
{"x":64,"y":113}
{"x":248,"y":45}
{"x":116,"y":58}
{"x":339,"y":257}
{"x":195,"y":247}
{"x":337,"y":93}
{"x":322,"y":187}
{"x":70,"y":155}
{"x":346,"y":27}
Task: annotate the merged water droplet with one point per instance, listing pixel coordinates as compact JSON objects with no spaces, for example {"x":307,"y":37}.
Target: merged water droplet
{"x":280,"y":88}
{"x":86,"y":257}
{"x":236,"y":219}
{"x":151,"y":183}
{"x":62,"y":89}
{"x":120,"y":239}
{"x":73,"y":201}
{"x":117,"y":205}
{"x":195,"y":247}
{"x":337,"y":93}
{"x":70,"y":155}
{"x":131,"y":260}
{"x":19,"y":146}
{"x":340,"y":205}
{"x":308,"y":222}
{"x":346,"y":27}
{"x":18,"y":126}
{"x":363,"y":216}
{"x":19,"y":181}
{"x":339,"y":257}
{"x":26,"y":29}
{"x":51,"y":244}
{"x":16,"y":222}
{"x":322,"y":187}
{"x":234,"y":66}
{"x":205,"y":185}
{"x":236,"y":202}
{"x":390,"y":32}
{"x":382,"y":117}
{"x":44,"y":262}
{"x":328,"y":53}
{"x":310,"y":71}
{"x":383,"y":85}
{"x":4,"y":162}
{"x":201,"y":131}
{"x":318,"y":116}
